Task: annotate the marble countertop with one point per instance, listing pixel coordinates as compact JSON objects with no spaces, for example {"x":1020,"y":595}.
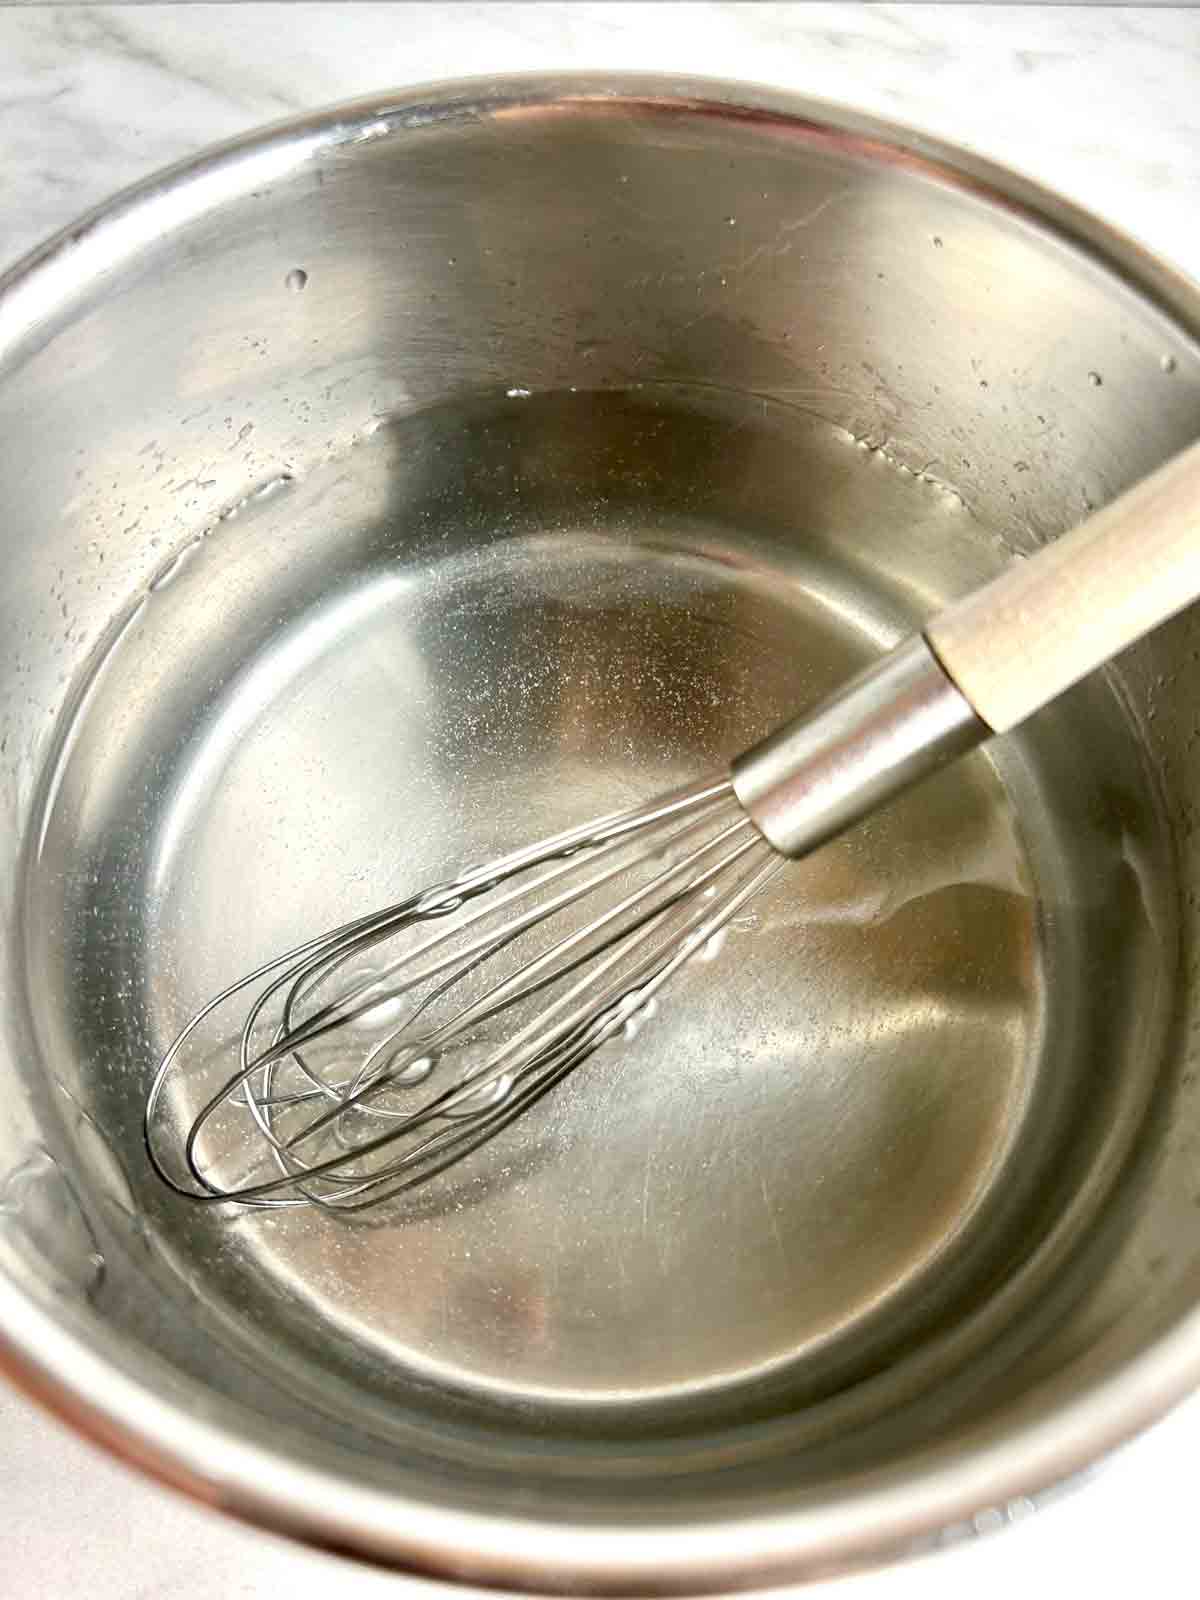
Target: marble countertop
{"x":1100,"y":103}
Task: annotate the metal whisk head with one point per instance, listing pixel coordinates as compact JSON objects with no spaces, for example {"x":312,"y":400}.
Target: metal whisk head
{"x":364,"y":1062}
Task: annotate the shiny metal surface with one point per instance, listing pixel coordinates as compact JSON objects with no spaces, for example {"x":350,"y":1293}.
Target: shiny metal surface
{"x":611,"y":422}
{"x":368,"y":1060}
{"x":899,"y":721}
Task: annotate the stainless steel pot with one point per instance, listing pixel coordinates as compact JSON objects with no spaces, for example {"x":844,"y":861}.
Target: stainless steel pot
{"x":417,"y":476}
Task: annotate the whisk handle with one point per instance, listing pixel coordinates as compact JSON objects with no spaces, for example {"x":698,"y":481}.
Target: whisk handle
{"x":983,"y":665}
{"x":1021,"y":640}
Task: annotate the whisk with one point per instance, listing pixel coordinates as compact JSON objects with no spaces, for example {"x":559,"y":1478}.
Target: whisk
{"x":370,"y":1058}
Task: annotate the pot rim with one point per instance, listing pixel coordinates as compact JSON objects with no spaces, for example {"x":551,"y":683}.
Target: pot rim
{"x":193,"y":1441}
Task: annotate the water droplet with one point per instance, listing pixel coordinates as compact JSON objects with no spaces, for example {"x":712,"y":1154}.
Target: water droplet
{"x":518,"y":394}
{"x":296,"y":280}
{"x":415,"y":1072}
{"x":272,"y":487}
{"x":1095,"y":379}
{"x":42,"y":1219}
{"x":988,"y":1521}
{"x":485,"y":1098}
{"x":171,"y":569}
{"x":378,"y":1016}
{"x":639,"y":1016}
{"x":1167,"y":363}
{"x":731,"y":222}
{"x":437,"y":904}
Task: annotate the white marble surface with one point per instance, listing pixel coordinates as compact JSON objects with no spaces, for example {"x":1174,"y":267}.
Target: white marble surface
{"x":1103,"y":104}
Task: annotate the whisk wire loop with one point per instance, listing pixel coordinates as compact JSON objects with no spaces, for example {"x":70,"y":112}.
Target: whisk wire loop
{"x":546,"y":954}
